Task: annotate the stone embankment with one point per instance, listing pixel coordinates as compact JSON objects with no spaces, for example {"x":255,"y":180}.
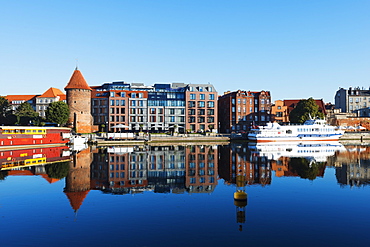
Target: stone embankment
{"x":166,"y":139}
{"x":347,"y":138}
{"x":355,"y":137}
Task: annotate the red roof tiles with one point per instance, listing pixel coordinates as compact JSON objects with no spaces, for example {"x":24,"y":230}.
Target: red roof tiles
{"x":51,"y":93}
{"x":77,"y":81}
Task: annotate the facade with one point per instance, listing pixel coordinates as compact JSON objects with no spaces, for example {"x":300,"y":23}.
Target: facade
{"x":239,"y":110}
{"x":353,"y":100}
{"x":17,"y":100}
{"x":51,"y":95}
{"x":161,"y":107}
{"x":79,"y":101}
{"x":38,"y":102}
{"x":281,"y":109}
{"x":279,"y":112}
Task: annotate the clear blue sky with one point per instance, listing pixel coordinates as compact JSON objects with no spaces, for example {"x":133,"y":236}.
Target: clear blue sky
{"x":294,"y":49}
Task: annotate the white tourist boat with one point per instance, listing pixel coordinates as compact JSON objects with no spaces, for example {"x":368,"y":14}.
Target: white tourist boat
{"x":311,"y":130}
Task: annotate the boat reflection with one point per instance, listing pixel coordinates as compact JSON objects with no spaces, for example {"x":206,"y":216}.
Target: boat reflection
{"x":48,"y":162}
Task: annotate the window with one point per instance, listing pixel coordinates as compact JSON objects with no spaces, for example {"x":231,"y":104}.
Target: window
{"x":202,"y":96}
{"x":192,"y":96}
{"x":211,"y":96}
{"x":133,"y":95}
{"x":111,"y":94}
{"x":211,"y":104}
{"x":172,"y":119}
{"x":123,"y":94}
{"x":233,"y":101}
{"x":140,"y":95}
{"x":201,"y":104}
{"x":112,"y":102}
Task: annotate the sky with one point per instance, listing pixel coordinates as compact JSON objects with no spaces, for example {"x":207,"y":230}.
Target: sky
{"x":294,"y":49}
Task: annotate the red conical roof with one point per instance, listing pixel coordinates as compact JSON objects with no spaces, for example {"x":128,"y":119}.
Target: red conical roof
{"x":77,"y":81}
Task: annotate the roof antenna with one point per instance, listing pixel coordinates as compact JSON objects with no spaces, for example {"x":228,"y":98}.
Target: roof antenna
{"x":76,"y":63}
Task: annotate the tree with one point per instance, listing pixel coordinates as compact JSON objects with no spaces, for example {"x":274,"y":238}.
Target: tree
{"x":57,"y":112}
{"x":25,"y":114}
{"x":305,"y":109}
{"x":57,"y":170}
{"x":5,"y":110}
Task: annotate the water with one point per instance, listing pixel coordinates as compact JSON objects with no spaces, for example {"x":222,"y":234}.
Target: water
{"x":184,"y":196}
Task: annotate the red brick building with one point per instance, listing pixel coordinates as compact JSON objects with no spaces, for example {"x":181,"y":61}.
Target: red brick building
{"x":239,"y":110}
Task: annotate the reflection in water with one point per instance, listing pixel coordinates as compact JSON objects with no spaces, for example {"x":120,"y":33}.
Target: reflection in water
{"x":161,"y":169}
{"x":185,"y":169}
{"x":306,"y":160}
{"x":353,"y":167}
{"x":231,"y":189}
{"x":49,"y":162}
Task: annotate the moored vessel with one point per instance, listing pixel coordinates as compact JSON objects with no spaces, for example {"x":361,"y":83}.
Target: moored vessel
{"x":311,"y":130}
{"x":24,"y":136}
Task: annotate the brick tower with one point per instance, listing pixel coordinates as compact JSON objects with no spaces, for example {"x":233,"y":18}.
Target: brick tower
{"x":79,"y":101}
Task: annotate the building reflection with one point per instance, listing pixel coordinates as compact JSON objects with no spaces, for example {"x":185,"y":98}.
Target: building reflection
{"x":305,"y":160}
{"x":185,"y":169}
{"x":238,"y":160}
{"x":161,"y":169}
{"x":352,"y":168}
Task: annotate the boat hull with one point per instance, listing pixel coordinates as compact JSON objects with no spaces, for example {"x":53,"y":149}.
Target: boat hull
{"x":20,"y":136}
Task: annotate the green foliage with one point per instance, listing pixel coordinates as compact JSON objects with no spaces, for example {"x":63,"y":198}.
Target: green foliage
{"x":5,"y":110}
{"x":25,"y":114}
{"x":57,"y":112}
{"x":57,"y":170}
{"x":304,"y":110}
{"x":3,"y":175}
{"x":302,"y":167}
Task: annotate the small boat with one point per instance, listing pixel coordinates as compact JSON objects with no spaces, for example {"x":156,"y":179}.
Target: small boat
{"x":24,"y":136}
{"x":311,"y":130}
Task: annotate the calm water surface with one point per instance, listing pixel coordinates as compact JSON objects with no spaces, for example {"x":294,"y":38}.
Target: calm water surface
{"x":297,"y":195}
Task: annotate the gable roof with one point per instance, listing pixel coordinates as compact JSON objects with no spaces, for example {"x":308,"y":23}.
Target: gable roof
{"x":51,"y":93}
{"x":25,"y":98}
{"x":77,"y":81}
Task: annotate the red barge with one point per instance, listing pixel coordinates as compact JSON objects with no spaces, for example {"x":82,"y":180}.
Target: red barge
{"x":24,"y":136}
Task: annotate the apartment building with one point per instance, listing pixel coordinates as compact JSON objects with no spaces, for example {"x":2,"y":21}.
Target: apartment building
{"x":38,"y":102}
{"x":162,"y":107}
{"x":239,"y":110}
{"x":201,"y":108}
{"x":49,"y":96}
{"x":279,"y":112}
{"x":354,"y":100}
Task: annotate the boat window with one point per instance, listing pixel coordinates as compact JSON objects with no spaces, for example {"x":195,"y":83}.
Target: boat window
{"x":289,"y":131}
